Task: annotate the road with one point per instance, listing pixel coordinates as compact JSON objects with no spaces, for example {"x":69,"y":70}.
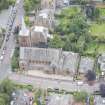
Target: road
{"x":52,"y":83}
{"x":5,"y":66}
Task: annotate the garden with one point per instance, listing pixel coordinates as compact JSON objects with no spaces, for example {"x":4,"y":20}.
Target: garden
{"x":75,"y":32}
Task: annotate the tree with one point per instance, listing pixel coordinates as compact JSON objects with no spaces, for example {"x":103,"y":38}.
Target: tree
{"x":30,"y":5}
{"x":2,"y":101}
{"x":4,"y":4}
{"x":90,"y":77}
{"x":56,"y":42}
{"x":80,"y":96}
{"x":7,"y":87}
{"x":15,"y":59}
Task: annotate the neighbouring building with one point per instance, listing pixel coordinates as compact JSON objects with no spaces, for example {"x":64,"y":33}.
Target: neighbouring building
{"x":24,"y":35}
{"x":34,"y":36}
{"x":86,"y":64}
{"x":39,"y":34}
{"x":101,"y":62}
{"x":22,"y":97}
{"x":45,"y":18}
{"x":98,"y":100}
{"x":58,"y":99}
{"x":49,"y":60}
{"x":50,"y":4}
{"x":62,"y":3}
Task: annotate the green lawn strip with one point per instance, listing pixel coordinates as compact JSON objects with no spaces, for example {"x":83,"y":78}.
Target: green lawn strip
{"x":95,"y":48}
{"x":101,"y":48}
{"x":91,"y":49}
{"x":98,"y":30}
{"x":102,"y":12}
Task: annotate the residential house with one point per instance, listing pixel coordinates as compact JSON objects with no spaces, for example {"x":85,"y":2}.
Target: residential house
{"x":58,"y":99}
{"x":39,"y":34}
{"x":24,"y":35}
{"x":86,"y":64}
{"x":49,"y":60}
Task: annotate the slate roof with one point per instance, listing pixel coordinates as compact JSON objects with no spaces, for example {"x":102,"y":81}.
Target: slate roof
{"x":21,"y":97}
{"x":56,"y":99}
{"x":86,"y":64}
{"x":24,"y":31}
{"x":41,"y":29}
{"x":45,"y":13}
{"x":57,"y":57}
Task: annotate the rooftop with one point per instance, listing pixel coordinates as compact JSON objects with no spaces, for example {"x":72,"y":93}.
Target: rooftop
{"x":43,"y":30}
{"x":86,"y":64}
{"x":101,"y":58}
{"x":61,"y":59}
{"x":21,"y":97}
{"x":102,"y":67}
{"x":24,"y":31}
{"x":40,"y":29}
{"x":56,"y":99}
{"x":45,"y":13}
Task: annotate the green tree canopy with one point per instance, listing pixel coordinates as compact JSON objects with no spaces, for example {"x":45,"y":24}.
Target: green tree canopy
{"x":56,"y":42}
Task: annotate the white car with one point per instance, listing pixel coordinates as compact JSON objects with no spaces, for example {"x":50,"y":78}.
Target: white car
{"x":1,"y":59}
{"x":80,"y":83}
{"x":3,"y":53}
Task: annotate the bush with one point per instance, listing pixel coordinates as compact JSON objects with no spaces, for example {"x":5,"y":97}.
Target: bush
{"x":30,"y":5}
{"x":80,"y":96}
{"x":15,"y":60}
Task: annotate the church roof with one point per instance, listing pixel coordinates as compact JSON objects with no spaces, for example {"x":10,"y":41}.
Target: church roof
{"x":24,"y":31}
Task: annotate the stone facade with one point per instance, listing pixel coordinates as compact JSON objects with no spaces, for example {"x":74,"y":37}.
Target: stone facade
{"x":34,"y":36}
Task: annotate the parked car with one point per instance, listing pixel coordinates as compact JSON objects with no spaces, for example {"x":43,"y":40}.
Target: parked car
{"x":1,"y":58}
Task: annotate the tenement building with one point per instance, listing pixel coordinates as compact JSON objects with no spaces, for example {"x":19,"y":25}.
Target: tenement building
{"x":49,"y":60}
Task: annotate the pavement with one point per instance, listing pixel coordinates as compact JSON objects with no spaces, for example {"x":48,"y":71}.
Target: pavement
{"x":5,"y":65}
{"x":44,"y":82}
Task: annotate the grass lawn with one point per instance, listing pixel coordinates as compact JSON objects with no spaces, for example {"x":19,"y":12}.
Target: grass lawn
{"x":70,"y":11}
{"x":91,"y":49}
{"x":95,"y":48}
{"x":98,"y":30}
{"x":102,"y":12}
{"x":101,"y":48}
